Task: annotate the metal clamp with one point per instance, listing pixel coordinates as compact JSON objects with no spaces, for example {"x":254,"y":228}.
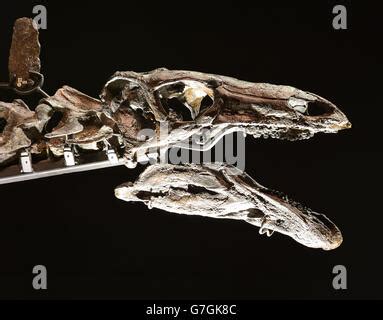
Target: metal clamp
{"x":69,"y":156}
{"x":112,"y":156}
{"x":26,"y":162}
{"x":38,"y":81}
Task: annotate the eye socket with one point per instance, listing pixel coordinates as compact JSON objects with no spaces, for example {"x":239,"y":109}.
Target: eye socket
{"x":185,"y":100}
{"x":3,"y":123}
{"x":176,"y":106}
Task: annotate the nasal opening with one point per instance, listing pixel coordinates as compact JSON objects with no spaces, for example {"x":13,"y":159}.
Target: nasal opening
{"x":318,"y":108}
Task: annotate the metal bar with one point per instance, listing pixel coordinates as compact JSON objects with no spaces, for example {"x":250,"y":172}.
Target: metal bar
{"x":59,"y":171}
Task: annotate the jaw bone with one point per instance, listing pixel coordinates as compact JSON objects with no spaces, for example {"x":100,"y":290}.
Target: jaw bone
{"x":222,"y":191}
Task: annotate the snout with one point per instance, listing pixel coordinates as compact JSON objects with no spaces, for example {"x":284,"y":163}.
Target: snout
{"x":325,"y":114}
{"x":320,"y":232}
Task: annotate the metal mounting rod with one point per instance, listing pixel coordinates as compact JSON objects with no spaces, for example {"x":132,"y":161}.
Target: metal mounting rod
{"x":13,"y":174}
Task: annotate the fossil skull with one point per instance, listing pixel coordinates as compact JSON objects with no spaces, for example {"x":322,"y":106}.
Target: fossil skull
{"x":190,"y":102}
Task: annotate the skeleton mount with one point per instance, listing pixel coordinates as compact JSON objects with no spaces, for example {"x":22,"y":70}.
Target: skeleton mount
{"x":71,"y":132}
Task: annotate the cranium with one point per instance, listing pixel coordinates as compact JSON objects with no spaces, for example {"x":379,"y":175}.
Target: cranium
{"x":191,"y":102}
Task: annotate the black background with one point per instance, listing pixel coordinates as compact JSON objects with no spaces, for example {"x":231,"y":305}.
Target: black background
{"x":96,"y":246}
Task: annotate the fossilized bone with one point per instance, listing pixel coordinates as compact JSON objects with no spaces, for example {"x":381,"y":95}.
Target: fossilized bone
{"x":259,"y":109}
{"x":71,"y":131}
{"x":219,"y":191}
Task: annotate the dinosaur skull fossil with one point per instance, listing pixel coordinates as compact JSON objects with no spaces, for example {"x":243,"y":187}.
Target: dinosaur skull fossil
{"x":191,"y":104}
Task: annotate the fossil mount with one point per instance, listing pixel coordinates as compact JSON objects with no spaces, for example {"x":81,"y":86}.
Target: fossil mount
{"x":69,"y":126}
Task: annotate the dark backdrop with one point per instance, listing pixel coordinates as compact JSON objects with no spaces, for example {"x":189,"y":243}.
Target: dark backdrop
{"x":95,"y":246}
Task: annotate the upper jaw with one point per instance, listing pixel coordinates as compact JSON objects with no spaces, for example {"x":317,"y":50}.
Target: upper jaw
{"x":325,"y":115}
{"x":260,"y":109}
{"x":294,"y":117}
